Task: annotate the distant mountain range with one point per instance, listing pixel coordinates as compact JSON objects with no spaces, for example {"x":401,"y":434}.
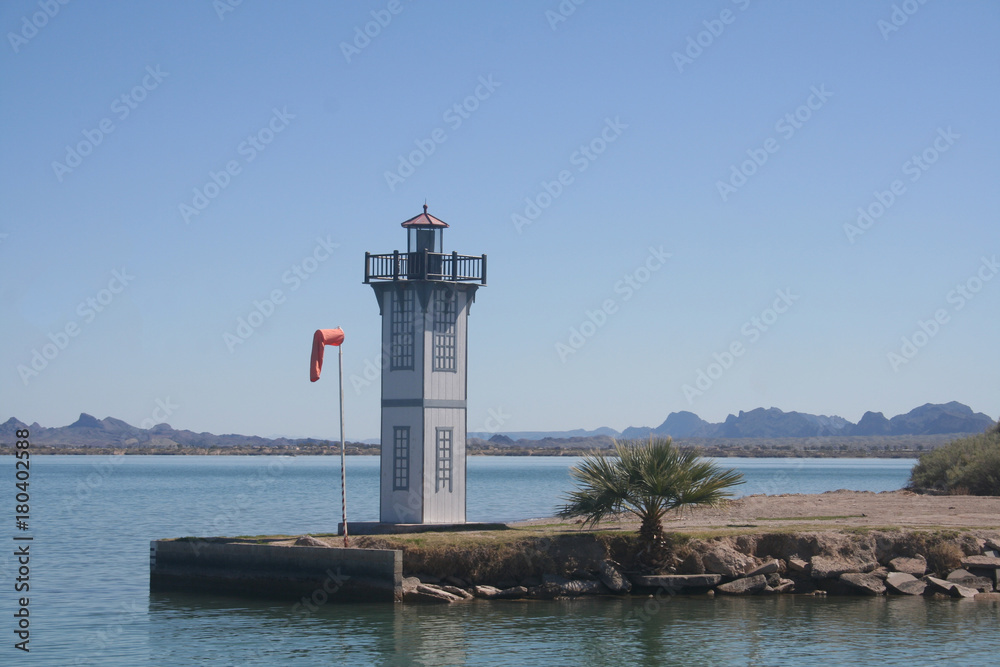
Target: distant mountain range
{"x":929,"y":419}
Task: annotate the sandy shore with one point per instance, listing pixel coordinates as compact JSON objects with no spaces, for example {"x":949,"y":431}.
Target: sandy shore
{"x":832,"y":510}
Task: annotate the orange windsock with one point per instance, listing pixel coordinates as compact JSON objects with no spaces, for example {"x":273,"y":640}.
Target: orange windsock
{"x":321,"y":339}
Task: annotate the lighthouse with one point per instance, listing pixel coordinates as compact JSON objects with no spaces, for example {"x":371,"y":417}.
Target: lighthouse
{"x":424,"y":296}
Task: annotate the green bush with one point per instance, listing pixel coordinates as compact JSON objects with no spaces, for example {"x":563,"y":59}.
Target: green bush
{"x":967,"y":466}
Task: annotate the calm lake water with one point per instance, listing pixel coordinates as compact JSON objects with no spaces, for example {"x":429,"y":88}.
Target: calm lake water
{"x":92,"y":519}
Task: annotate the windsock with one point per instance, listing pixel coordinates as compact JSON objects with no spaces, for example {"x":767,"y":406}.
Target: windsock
{"x":321,"y":339}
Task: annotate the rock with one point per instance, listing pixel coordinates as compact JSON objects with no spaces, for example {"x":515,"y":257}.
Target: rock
{"x":744,"y":585}
{"x":960,"y":591}
{"x":429,"y":593}
{"x":966,"y":578}
{"x":310,"y":541}
{"x":693,"y":564}
{"x":798,"y":565}
{"x":935,"y":585}
{"x":993,"y":553}
{"x":727,"y":561}
{"x":867,"y":584}
{"x":784,"y":586}
{"x":826,"y":567}
{"x":675,"y":583}
{"x":981,"y":562}
{"x":915,"y":566}
{"x":767,"y":567}
{"x":512,"y":593}
{"x":410,"y":584}
{"x":546,"y":592}
{"x":992,"y":543}
{"x":456,"y":581}
{"x":556,"y":579}
{"x":486,"y":592}
{"x":904,"y":583}
{"x":988,"y":596}
{"x":611,"y":576}
{"x":581,"y":587}
{"x":773,"y":579}
{"x":431,"y":589}
{"x":460,"y":592}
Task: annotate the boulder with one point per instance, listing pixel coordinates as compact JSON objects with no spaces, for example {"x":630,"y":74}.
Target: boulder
{"x":431,"y":589}
{"x":968,"y":579}
{"x":582,"y":587}
{"x":992,"y":543}
{"x":676,"y":583}
{"x":981,"y":562}
{"x":487,"y":592}
{"x":512,"y":593}
{"x":611,"y":576}
{"x":546,"y":592}
{"x":828,"y":567}
{"x":935,"y":585}
{"x":866,"y":584}
{"x":727,"y":561}
{"x":460,"y":592}
{"x":310,"y":541}
{"x":798,"y":565}
{"x":427,"y":593}
{"x":744,"y":585}
{"x":784,"y":586}
{"x":915,"y":566}
{"x":456,"y":581}
{"x":960,"y":591}
{"x":773,"y":579}
{"x":988,"y":596}
{"x":767,"y":567}
{"x":410,"y":584}
{"x":903,"y":583}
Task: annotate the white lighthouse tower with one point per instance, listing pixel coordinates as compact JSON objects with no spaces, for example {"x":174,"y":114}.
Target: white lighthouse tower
{"x":424,"y":296}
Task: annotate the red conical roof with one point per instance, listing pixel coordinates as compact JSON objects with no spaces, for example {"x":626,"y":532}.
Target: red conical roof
{"x":425,"y":219}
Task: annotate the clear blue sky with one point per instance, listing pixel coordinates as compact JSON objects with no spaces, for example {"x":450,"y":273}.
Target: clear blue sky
{"x":743,"y":158}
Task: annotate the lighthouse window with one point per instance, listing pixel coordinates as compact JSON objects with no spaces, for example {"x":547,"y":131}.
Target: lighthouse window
{"x":444,"y":331}
{"x":401,"y":458}
{"x":443,"y":450}
{"x":401,"y":345}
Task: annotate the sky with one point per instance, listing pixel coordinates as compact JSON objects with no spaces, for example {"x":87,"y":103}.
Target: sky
{"x":706,"y":206}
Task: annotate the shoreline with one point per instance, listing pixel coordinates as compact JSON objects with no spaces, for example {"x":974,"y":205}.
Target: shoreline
{"x":938,"y":546}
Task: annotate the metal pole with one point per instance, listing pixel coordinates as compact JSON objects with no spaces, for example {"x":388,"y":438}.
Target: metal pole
{"x":343,"y":445}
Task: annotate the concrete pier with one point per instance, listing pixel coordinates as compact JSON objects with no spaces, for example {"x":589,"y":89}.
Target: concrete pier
{"x":288,"y":572}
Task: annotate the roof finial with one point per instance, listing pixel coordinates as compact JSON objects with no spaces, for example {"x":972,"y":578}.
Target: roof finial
{"x":425,"y":204}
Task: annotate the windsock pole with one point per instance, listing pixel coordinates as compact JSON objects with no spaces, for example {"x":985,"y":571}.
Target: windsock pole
{"x":343,"y":445}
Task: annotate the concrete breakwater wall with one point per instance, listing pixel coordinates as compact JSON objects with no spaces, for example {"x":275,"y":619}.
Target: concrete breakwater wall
{"x":316,"y":573}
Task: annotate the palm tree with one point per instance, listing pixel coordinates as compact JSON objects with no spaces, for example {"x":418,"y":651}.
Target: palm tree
{"x":647,"y":480}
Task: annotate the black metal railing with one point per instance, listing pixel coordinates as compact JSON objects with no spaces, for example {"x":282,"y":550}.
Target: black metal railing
{"x":425,"y":265}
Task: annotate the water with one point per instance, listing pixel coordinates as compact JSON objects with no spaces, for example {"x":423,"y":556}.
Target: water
{"x":92,"y":519}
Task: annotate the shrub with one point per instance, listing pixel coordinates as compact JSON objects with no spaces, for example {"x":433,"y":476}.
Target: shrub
{"x":967,"y":466}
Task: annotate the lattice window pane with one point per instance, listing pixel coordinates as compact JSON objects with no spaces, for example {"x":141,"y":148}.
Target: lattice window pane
{"x":445,"y":348}
{"x":401,"y":345}
{"x":443,"y":449}
{"x":401,"y":458}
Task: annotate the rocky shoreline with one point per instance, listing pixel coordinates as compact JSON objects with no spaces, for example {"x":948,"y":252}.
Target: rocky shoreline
{"x":895,"y":562}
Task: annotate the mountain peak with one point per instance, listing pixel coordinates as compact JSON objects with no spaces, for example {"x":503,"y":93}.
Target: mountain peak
{"x":86,"y":421}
